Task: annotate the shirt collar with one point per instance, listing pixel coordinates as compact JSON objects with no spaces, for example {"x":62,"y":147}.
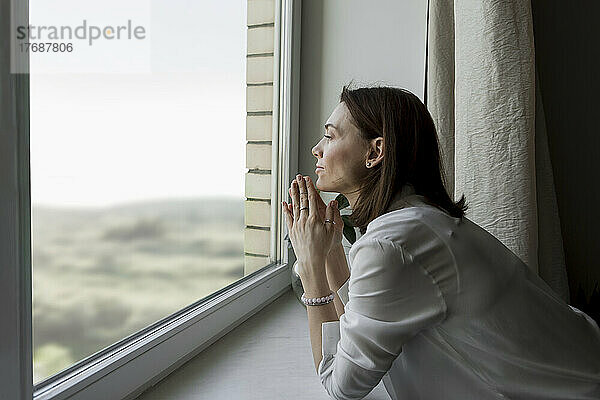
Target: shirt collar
{"x":406,"y":198}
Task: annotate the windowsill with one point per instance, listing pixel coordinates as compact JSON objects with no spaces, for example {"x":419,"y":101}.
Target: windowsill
{"x":267,"y":357}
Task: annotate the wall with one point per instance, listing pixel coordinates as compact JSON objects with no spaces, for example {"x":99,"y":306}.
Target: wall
{"x":259,"y":121}
{"x":567,"y":58}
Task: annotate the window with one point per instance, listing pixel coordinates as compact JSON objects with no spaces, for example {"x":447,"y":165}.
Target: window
{"x":152,"y":211}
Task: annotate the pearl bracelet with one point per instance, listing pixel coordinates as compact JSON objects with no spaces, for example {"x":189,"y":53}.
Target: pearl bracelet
{"x":317,"y":301}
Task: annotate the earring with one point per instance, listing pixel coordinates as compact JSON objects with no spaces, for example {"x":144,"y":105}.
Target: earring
{"x":368,"y":164}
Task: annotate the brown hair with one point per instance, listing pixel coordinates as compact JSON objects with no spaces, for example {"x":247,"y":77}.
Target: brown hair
{"x":411,"y":151}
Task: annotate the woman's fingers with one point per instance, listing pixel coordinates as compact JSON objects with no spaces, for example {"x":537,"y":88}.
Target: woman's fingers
{"x":295,"y":199}
{"x":303,"y":194}
{"x":329,"y":215}
{"x":287,"y":212}
{"x":313,"y":206}
{"x":300,"y":194}
{"x":337,"y":217}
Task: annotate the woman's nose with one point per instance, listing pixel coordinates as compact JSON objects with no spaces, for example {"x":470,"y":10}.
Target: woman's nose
{"x":316,"y":152}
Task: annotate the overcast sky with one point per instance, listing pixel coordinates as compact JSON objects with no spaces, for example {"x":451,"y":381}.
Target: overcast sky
{"x":129,"y":120}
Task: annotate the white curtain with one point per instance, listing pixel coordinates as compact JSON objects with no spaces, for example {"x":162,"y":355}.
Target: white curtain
{"x":481,"y":92}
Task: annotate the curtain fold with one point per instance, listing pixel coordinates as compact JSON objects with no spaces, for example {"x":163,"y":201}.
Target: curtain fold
{"x":481,"y":92}
{"x":440,"y":80}
{"x":551,"y":257}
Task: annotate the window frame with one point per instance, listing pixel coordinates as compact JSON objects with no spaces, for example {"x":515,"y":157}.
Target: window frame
{"x":128,"y":367}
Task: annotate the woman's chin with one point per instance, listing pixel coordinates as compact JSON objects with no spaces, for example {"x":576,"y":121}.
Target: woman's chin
{"x":319,"y":184}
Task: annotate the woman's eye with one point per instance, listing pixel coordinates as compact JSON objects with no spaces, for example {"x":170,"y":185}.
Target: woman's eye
{"x":327,"y":136}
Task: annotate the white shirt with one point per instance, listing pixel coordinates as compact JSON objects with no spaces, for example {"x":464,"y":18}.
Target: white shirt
{"x":440,"y":309}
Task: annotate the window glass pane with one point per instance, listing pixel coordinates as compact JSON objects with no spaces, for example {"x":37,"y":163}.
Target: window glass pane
{"x":138,"y":170}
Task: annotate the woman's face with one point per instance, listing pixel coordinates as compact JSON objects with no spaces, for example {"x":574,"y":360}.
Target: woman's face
{"x":341,"y":153}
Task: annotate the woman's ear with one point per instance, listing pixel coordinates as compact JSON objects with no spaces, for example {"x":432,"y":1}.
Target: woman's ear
{"x":375,"y":154}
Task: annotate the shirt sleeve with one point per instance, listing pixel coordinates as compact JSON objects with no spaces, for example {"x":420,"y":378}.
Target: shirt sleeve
{"x":343,"y":292}
{"x":390,"y":299}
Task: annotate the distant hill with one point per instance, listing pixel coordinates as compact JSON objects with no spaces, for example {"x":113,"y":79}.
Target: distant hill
{"x":201,"y":209}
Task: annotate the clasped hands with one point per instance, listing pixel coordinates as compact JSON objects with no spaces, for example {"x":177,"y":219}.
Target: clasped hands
{"x":314,"y":227}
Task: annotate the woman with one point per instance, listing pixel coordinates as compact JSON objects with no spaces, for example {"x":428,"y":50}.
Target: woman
{"x":434,"y":305}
